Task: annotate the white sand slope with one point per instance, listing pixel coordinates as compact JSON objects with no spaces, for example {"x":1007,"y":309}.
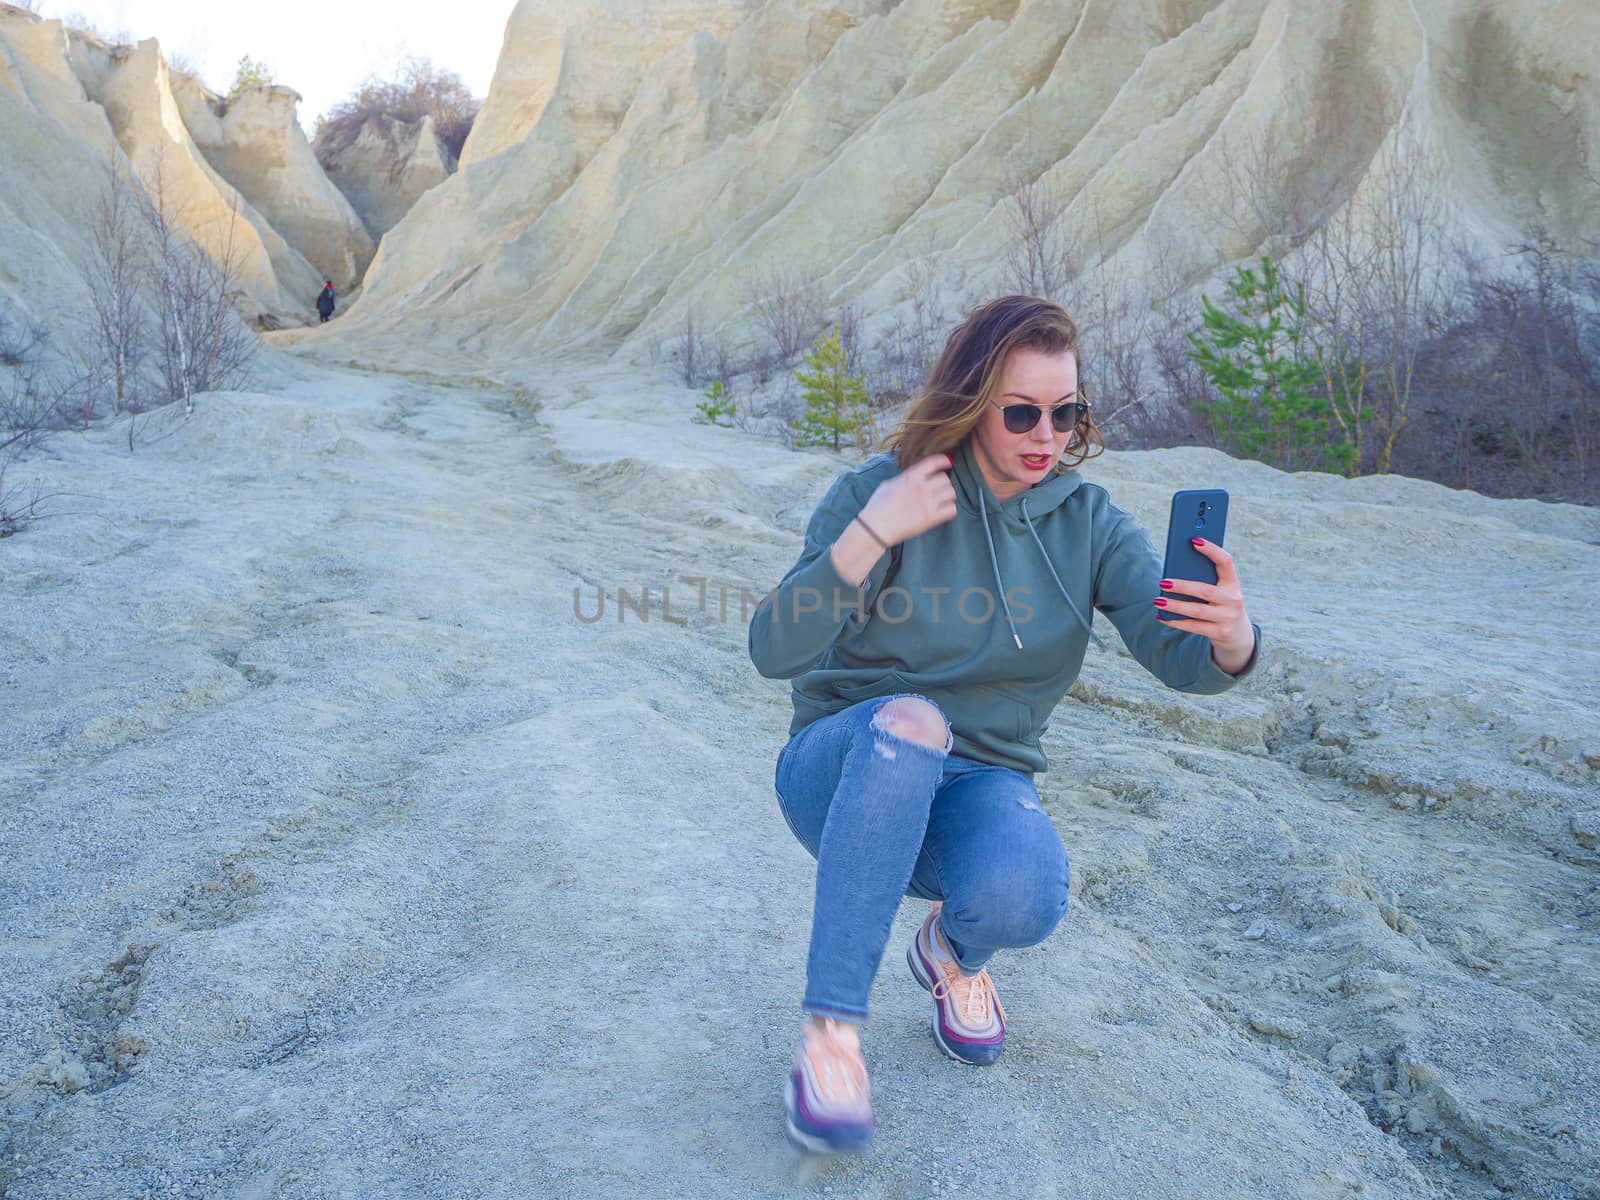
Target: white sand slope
{"x":343,"y":859}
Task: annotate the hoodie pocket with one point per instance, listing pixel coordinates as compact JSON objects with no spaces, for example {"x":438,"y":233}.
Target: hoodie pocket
{"x":1012,"y":714}
{"x":889,"y":683}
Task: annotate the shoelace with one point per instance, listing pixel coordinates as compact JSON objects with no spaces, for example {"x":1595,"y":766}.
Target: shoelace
{"x":836,"y":1062}
{"x":973,"y":993}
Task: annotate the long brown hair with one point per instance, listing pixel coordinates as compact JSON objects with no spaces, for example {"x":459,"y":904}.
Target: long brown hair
{"x":951,"y":402}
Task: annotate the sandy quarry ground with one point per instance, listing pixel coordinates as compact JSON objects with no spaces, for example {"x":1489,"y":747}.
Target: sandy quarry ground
{"x":343,"y":859}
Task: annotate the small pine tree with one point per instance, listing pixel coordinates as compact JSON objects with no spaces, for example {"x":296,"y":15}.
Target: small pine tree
{"x":717,"y":405}
{"x":1257,"y":355}
{"x":837,"y":407}
{"x":250,"y":72}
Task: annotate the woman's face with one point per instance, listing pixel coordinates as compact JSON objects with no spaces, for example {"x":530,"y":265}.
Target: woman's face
{"x":1013,"y":462}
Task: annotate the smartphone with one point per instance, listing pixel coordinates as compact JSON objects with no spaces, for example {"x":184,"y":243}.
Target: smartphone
{"x":1201,"y":513}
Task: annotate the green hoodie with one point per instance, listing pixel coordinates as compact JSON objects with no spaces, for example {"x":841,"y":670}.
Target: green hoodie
{"x":987,"y":615}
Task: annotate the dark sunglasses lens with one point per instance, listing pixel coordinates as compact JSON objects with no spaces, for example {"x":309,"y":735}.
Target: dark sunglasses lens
{"x":1020,"y":418}
{"x":1067,"y":416}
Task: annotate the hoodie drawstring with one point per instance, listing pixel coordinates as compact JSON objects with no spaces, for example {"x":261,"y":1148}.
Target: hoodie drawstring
{"x":994,"y":565}
{"x":1076,"y":611}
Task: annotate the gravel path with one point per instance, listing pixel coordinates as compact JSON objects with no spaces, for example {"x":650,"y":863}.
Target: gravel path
{"x":346,"y":858}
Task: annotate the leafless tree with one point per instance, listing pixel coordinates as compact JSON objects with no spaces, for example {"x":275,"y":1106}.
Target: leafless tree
{"x":118,"y":338}
{"x":689,"y":350}
{"x":849,"y":323}
{"x":787,"y":306}
{"x":928,"y":312}
{"x":1372,"y":260}
{"x":1377,"y":290}
{"x":202,"y":345}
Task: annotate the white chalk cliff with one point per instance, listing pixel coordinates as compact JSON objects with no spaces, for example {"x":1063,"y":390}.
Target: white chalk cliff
{"x":70,"y":105}
{"x":255,"y":143}
{"x":633,"y":160}
{"x":386,"y":168}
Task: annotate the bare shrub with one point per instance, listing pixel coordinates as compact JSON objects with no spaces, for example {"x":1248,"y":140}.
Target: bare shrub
{"x":1254,"y":194}
{"x":906,"y":347}
{"x":1563,"y":375}
{"x":1506,"y":389}
{"x":19,"y":504}
{"x":182,"y":64}
{"x":20,"y":341}
{"x":1041,"y":254}
{"x":80,"y":23}
{"x":723,"y":366}
{"x":1115,"y":324}
{"x":769,"y":409}
{"x":1456,"y":425}
{"x":1170,"y":413}
{"x":29,"y":412}
{"x":32,"y":398}
{"x":420,"y":90}
{"x":787,"y":306}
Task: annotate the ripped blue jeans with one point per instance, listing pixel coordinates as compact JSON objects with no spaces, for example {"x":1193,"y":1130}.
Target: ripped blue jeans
{"x":886,"y":817}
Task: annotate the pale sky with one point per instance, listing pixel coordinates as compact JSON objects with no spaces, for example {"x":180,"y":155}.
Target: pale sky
{"x":323,"y":49}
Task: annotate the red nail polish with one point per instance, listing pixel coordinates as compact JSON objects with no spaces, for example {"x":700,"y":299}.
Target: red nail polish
{"x":1198,"y":541}
{"x":1159,"y":602}
{"x":1166,"y":585}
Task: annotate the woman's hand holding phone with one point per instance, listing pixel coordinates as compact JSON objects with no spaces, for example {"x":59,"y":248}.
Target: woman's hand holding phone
{"x":1216,"y":611}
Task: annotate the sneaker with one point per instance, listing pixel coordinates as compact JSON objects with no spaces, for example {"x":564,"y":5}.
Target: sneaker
{"x":829,"y":1098}
{"x":968,"y":1022}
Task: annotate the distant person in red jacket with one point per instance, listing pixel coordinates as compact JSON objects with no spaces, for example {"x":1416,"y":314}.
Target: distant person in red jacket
{"x":325,"y":301}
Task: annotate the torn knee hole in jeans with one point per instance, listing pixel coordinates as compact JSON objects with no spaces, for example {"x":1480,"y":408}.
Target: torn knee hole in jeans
{"x":888,"y":726}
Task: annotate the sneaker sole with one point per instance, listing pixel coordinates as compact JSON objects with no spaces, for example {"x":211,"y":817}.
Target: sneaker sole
{"x":914,"y":961}
{"x":811,"y":1143}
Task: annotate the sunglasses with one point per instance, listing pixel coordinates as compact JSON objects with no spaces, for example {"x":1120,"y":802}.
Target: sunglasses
{"x":1020,"y":418}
